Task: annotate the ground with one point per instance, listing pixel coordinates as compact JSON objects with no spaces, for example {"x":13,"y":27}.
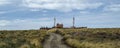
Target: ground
{"x":54,"y":41}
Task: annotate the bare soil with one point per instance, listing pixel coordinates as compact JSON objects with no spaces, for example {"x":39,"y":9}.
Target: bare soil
{"x":54,"y":41}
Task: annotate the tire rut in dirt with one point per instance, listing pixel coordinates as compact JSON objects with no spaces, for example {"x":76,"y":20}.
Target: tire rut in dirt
{"x":54,"y":41}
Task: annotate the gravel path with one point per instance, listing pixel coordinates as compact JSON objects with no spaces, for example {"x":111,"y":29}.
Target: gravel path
{"x":54,"y":41}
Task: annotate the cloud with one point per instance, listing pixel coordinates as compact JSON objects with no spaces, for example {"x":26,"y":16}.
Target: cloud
{"x":22,"y":24}
{"x":61,"y":5}
{"x":11,"y":11}
{"x":2,"y":12}
{"x":113,"y":7}
{"x":4,"y":2}
{"x":84,"y":12}
{"x":4,"y":22}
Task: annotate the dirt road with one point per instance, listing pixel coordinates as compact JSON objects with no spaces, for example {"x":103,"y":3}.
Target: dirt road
{"x":54,"y":41}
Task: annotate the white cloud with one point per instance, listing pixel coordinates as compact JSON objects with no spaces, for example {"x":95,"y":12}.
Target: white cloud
{"x":113,"y":7}
{"x":84,"y":12}
{"x":4,"y":2}
{"x":10,"y":11}
{"x":61,"y":5}
{"x":22,"y":24}
{"x":4,"y":22}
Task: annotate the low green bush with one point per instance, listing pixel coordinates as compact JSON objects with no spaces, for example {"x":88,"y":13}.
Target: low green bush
{"x":22,"y":38}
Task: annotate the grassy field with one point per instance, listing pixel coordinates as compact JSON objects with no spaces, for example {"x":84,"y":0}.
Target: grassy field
{"x":22,"y":39}
{"x":92,"y":38}
{"x":76,"y":38}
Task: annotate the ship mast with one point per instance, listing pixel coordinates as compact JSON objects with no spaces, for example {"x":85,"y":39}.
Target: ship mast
{"x":73,"y":22}
{"x":54,"y":21}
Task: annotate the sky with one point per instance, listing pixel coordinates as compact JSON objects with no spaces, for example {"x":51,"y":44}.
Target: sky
{"x":33,"y":14}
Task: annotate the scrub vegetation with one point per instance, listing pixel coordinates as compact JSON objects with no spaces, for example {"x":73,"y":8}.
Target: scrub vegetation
{"x":22,"y":39}
{"x":75,"y":38}
{"x":92,"y":38}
